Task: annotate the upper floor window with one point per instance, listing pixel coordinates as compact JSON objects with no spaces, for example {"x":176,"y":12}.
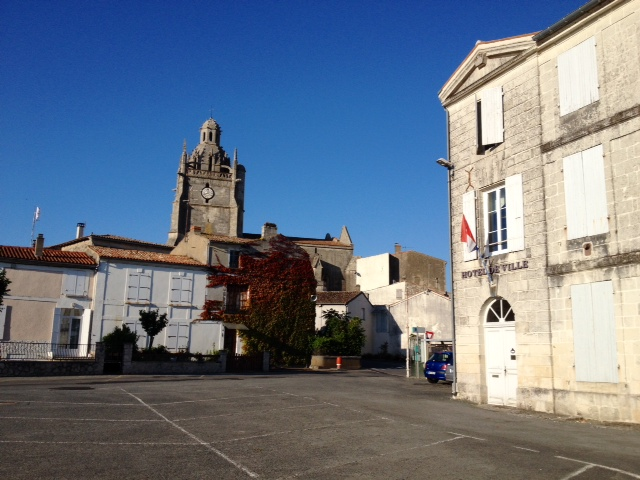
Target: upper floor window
{"x":489,"y":118}
{"x":75,"y":284}
{"x":234,"y":259}
{"x":503,"y":219}
{"x":578,"y":77}
{"x":181,"y":288}
{"x":139,"y":286}
{"x":237,"y":298}
{"x":585,"y":193}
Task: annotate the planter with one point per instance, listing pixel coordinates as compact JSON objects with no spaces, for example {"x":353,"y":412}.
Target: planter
{"x":329,"y":361}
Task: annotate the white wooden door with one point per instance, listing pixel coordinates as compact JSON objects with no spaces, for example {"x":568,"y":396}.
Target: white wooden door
{"x":501,"y":354}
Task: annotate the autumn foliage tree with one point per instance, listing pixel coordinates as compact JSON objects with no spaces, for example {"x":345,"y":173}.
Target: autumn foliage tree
{"x":280,"y":314}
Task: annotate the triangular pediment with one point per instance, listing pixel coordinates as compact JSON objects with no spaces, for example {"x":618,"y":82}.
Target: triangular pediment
{"x":486,"y":57}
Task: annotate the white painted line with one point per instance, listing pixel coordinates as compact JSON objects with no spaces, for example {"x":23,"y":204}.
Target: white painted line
{"x":580,"y":471}
{"x":48,"y":442}
{"x":75,"y":419}
{"x":76,"y":403}
{"x":468,"y":436}
{"x":244,"y":414}
{"x":527,"y":449}
{"x":214,"y":399}
{"x":632,"y":475}
{"x":191,"y":435}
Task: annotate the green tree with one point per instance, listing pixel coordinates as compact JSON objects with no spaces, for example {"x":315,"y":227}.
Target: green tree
{"x":341,"y":335}
{"x":114,"y":341}
{"x":4,"y":285}
{"x":153,"y":323}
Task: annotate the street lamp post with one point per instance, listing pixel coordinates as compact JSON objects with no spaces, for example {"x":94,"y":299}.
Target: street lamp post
{"x":449,"y":166}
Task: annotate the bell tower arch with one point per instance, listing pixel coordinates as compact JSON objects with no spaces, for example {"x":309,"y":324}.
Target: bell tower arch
{"x":209,"y":190}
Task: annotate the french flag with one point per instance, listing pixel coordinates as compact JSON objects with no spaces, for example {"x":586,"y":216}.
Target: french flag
{"x":467,"y":236}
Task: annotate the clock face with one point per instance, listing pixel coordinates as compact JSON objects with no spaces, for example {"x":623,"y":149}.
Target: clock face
{"x":207,"y":193}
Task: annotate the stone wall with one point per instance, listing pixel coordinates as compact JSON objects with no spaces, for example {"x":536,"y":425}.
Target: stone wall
{"x":50,"y":368}
{"x":130,"y":367}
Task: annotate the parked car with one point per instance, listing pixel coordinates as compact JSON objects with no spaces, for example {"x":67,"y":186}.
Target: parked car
{"x":437,"y":365}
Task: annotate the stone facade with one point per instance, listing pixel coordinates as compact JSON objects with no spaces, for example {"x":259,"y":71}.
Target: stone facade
{"x":549,"y":343}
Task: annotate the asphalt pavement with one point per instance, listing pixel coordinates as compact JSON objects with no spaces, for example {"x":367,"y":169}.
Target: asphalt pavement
{"x":373,"y":424}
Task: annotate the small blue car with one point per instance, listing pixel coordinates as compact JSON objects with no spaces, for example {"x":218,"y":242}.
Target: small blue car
{"x":436,"y":367}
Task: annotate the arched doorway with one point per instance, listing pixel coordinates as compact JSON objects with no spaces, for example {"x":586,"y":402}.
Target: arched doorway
{"x":500,"y":353}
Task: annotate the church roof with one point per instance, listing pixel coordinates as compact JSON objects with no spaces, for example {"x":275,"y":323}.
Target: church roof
{"x":335,"y":298}
{"x":210,"y":123}
{"x":144,"y":256}
{"x":28,"y":254}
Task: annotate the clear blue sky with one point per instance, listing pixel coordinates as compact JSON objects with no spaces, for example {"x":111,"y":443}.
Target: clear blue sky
{"x":331,"y":104}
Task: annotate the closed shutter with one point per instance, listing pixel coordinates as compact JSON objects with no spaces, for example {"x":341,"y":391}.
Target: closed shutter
{"x":82,"y":284}
{"x":574,"y":196}
{"x":469,"y":212}
{"x":69,"y":284}
{"x":596,"y":209}
{"x":176,"y":284}
{"x":185,"y":290}
{"x":144,"y":290}
{"x":578,"y":77}
{"x":515,"y":213}
{"x":3,"y":315}
{"x":594,"y":333}
{"x":492,"y":116}
{"x":132,"y":286}
{"x":55,"y":334}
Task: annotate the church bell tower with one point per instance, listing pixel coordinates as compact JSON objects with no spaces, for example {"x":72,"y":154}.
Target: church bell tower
{"x":210,"y":189}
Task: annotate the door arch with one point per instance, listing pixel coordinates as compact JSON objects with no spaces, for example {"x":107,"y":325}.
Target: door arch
{"x":500,"y":353}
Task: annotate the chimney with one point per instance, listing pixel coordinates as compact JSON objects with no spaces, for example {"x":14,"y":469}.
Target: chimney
{"x":398,"y":248}
{"x":269,"y":230}
{"x":39,"y":245}
{"x":80,"y":230}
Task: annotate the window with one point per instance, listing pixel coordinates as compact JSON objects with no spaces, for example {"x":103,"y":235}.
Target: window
{"x":70,"y":328}
{"x":503,"y":218}
{"x":496,"y":220}
{"x":237,"y":298}
{"x":500,"y":310}
{"x":181,"y":287}
{"x":139,"y":286}
{"x":578,"y":77}
{"x":585,"y":193}
{"x":75,"y":284}
{"x":489,"y":118}
{"x":594,"y":332}
{"x":234,"y":259}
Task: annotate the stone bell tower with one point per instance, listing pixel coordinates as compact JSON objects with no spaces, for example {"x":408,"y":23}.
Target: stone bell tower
{"x":210,"y":189}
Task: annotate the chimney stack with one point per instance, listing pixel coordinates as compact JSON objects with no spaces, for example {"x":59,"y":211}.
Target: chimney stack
{"x":269,"y":230}
{"x":80,"y":230}
{"x":39,"y":245}
{"x":398,"y":248}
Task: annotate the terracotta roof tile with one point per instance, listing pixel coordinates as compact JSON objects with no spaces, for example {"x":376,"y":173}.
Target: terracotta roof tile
{"x":225,"y":239}
{"x":143,"y":256}
{"x":335,"y":298}
{"x":48,"y":256}
{"x":110,"y":237}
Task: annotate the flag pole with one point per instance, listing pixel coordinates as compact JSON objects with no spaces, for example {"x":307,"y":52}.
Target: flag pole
{"x":36,"y":216}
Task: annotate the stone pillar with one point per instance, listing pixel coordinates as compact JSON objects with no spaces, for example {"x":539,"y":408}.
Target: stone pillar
{"x":127,"y":353}
{"x":223,"y":361}
{"x":99,"y":357}
{"x":265,"y":361}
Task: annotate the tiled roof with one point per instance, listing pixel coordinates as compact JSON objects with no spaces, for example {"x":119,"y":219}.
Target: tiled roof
{"x":225,"y":239}
{"x":110,"y":237}
{"x":335,"y":298}
{"x":28,"y":254}
{"x":326,"y":243}
{"x":142,"y":256}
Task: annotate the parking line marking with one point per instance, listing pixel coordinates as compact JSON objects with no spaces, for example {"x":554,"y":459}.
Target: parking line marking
{"x":244,"y":414}
{"x":589,"y":465}
{"x":527,"y":449}
{"x":76,"y":419}
{"x":49,"y":442}
{"x":468,"y":436}
{"x":577,"y":472}
{"x":191,"y":435}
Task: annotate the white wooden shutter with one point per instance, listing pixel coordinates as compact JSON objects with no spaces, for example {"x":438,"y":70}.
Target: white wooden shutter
{"x":69,"y":284}
{"x":578,"y":77}
{"x":574,"y":196}
{"x":84,"y":334}
{"x":55,"y":334}
{"x":185,"y":289}
{"x":144,"y":290}
{"x":3,"y":316}
{"x":82,"y":284}
{"x":596,"y":208}
{"x":469,"y":212}
{"x":594,"y":333}
{"x":176,"y":285}
{"x":515,"y":213}
{"x":492,"y":116}
{"x":132,"y":286}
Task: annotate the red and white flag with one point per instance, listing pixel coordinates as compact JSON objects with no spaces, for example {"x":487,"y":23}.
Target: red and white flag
{"x":467,"y":236}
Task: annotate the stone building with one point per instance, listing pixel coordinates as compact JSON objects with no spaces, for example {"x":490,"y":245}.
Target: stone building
{"x":544,"y":162}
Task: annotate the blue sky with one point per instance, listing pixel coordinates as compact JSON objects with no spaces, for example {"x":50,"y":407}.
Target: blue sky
{"x":332,"y":106}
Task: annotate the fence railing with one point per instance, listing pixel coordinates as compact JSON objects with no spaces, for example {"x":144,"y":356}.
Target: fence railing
{"x":46,"y":351}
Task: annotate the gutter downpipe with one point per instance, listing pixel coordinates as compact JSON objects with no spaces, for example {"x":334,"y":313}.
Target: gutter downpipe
{"x":454,"y":385}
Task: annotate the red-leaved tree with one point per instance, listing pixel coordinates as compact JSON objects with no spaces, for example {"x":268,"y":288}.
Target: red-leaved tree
{"x":280,"y":314}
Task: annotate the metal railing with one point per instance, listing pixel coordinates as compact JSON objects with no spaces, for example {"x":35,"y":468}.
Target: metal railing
{"x":45,"y":351}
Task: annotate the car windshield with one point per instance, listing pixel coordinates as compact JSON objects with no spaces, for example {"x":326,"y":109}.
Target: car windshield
{"x":443,"y":357}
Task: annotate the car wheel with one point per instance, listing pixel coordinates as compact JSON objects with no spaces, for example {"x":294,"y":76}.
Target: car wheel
{"x":432,"y":380}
